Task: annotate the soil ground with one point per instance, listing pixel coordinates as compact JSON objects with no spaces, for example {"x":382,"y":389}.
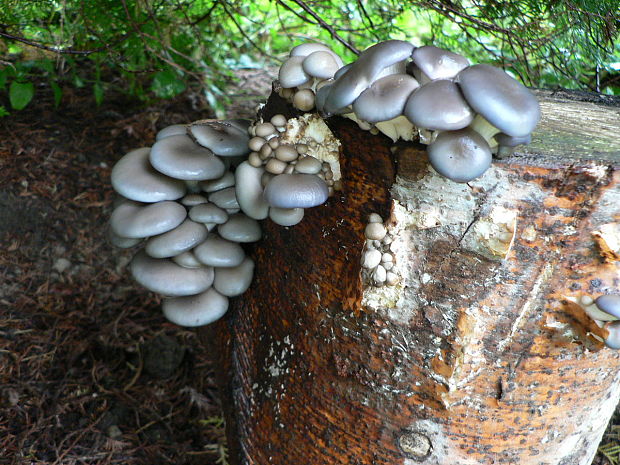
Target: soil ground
{"x":91,"y":372}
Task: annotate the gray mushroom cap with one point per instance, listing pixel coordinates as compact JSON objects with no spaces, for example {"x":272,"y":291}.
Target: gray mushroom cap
{"x":133,"y":220}
{"x":305,"y":49}
{"x":192,"y":200}
{"x":163,"y":276}
{"x":227,"y":180}
{"x":321,"y":97}
{"x":609,"y":303}
{"x":180,"y":158}
{"x":292,"y":73}
{"x":187,"y":260}
{"x":439,"y":106}
{"x":208,"y":213}
{"x":225,"y":198}
{"x":613,"y":339}
{"x":438,"y":63}
{"x":249,"y":191}
{"x":501,"y":100}
{"x":342,"y":70}
{"x":460,"y":155}
{"x":174,"y":130}
{"x":320,"y":64}
{"x":122,"y":242}
{"x":221,"y":137}
{"x":240,"y":228}
{"x":182,"y":238}
{"x":195,"y":310}
{"x":134,"y":178}
{"x":385,"y":98}
{"x":240,"y":123}
{"x":216,"y":251}
{"x":296,"y":191}
{"x":364,"y":72}
{"x":236,"y":280}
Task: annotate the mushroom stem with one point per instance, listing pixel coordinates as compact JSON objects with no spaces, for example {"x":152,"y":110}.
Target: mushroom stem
{"x":484,"y":128}
{"x":399,"y":127}
{"x":193,"y":186}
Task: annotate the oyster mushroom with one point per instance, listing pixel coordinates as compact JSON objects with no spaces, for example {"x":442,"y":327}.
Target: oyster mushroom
{"x":460,"y":156}
{"x":503,"y":104}
{"x":133,"y":177}
{"x":296,"y":191}
{"x":195,"y":310}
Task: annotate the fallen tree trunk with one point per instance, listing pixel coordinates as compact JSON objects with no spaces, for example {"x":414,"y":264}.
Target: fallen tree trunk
{"x":476,"y":356}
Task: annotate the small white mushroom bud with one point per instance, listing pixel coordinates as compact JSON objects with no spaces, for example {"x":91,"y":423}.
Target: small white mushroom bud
{"x":274,"y":142}
{"x":308,"y":165}
{"x":275,"y":166}
{"x":371,"y":258}
{"x":286,"y":153}
{"x":278,"y":120}
{"x":255,"y":160}
{"x":380,"y":275}
{"x":375,"y":231}
{"x":265,"y":129}
{"x":265,"y":151}
{"x":256,"y":143}
{"x":391,"y":278}
{"x":375,"y":218}
{"x":304,"y":100}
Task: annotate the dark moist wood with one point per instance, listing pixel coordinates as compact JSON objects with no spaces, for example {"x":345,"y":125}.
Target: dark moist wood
{"x":484,"y":360}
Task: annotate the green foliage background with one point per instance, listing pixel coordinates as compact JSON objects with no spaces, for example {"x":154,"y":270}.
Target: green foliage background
{"x":159,"y":48}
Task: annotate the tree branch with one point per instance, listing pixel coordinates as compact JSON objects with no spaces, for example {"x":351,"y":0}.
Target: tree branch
{"x":322,"y":23}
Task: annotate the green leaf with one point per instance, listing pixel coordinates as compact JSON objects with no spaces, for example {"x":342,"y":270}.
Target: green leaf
{"x":57,"y":93}
{"x":167,"y":84}
{"x":98,"y":91}
{"x":20,"y":94}
{"x":3,"y":111}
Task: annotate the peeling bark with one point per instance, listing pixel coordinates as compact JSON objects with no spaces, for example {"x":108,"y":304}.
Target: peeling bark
{"x":476,"y":356}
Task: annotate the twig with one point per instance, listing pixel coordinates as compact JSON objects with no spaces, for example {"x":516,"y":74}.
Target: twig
{"x":324,"y":25}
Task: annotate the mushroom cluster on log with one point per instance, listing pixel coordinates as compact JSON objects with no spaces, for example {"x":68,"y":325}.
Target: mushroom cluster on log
{"x":440,"y":306}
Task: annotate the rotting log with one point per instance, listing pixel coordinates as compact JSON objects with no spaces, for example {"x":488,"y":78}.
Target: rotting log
{"x":476,"y":357}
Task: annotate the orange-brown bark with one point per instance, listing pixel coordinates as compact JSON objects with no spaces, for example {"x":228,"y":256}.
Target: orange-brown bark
{"x":478,"y":359}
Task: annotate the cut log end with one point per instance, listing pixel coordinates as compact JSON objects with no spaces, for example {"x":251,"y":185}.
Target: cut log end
{"x":475,"y":357}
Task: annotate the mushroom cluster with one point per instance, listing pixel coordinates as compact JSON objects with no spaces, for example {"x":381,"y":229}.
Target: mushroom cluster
{"x":307,"y":69}
{"x":180,"y":196}
{"x":281,"y":177}
{"x":463,"y":112}
{"x":378,"y":257}
{"x":605,"y":311}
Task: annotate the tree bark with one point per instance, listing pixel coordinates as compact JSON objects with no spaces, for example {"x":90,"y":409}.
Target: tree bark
{"x":476,"y":356}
